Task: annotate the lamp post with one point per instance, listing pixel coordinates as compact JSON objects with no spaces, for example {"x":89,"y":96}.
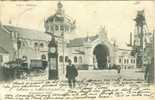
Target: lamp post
{"x":153,"y":60}
{"x":16,"y":74}
{"x":63,"y":52}
{"x":52,"y":59}
{"x":18,"y":48}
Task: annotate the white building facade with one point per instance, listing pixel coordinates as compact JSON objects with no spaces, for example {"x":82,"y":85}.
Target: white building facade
{"x":89,"y":53}
{"x":92,"y":52}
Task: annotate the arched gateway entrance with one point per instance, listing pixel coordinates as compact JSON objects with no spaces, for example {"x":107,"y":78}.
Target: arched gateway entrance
{"x":101,"y":52}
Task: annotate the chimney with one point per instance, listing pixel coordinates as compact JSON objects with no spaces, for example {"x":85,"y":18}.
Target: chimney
{"x":131,"y":38}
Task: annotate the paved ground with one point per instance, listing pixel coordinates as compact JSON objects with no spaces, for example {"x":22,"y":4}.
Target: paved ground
{"x":96,"y":75}
{"x":110,"y":74}
{"x":90,"y":85}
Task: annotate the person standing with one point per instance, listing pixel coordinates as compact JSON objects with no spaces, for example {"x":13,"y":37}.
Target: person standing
{"x":71,"y":74}
{"x":149,"y":71}
{"x":118,"y":69}
{"x":44,"y":62}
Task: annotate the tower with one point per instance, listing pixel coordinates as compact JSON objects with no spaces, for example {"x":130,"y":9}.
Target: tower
{"x":60,"y":26}
{"x":59,"y":23}
{"x":141,"y":39}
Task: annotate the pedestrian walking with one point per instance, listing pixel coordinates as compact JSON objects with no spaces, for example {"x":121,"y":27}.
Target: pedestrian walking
{"x":118,"y":69}
{"x":71,"y":74}
{"x":149,"y":71}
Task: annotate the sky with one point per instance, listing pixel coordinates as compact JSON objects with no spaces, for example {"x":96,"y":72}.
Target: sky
{"x":116,"y":16}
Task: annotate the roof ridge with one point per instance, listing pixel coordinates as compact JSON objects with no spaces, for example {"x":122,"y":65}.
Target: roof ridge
{"x":28,"y":33}
{"x":84,"y":37}
{"x":17,"y":27}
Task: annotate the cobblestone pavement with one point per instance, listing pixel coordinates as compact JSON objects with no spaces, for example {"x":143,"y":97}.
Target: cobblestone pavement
{"x":37,"y":87}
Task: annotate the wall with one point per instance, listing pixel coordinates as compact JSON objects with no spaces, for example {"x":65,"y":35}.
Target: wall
{"x":6,"y":42}
{"x":31,"y":51}
{"x":125,"y":60}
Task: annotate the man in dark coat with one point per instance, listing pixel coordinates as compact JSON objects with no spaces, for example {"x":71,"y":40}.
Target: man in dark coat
{"x":118,"y":69}
{"x":71,"y":74}
{"x":149,"y":72}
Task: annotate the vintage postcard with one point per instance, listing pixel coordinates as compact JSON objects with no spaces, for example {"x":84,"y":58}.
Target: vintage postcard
{"x":77,"y":50}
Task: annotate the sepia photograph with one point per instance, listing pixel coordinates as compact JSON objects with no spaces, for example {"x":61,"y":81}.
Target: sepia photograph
{"x":77,"y":50}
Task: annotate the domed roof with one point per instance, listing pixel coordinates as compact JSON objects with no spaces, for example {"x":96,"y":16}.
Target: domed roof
{"x":59,"y":16}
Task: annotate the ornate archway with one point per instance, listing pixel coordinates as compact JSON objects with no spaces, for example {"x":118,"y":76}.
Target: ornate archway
{"x":101,"y":53}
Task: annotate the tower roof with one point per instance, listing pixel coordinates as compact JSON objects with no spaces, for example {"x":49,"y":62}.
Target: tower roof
{"x":59,"y":8}
{"x":60,"y":16}
{"x":59,"y":5}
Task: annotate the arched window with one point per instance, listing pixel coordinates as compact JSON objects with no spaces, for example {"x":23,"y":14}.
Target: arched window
{"x":24,"y":58}
{"x":127,"y":61}
{"x":60,"y":58}
{"x":66,"y":58}
{"x":80,"y":59}
{"x":131,"y":61}
{"x":124,"y":61}
{"x":120,"y":60}
{"x":35,"y":44}
{"x":75,"y":59}
{"x":43,"y":56}
{"x":41,"y":45}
